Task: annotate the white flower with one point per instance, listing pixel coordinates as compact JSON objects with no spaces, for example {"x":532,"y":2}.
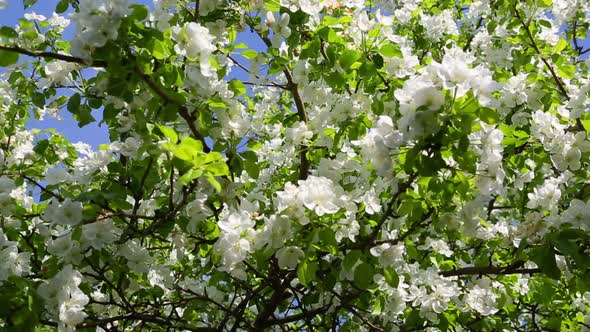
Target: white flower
{"x":289,"y":256}
{"x":388,"y":255}
{"x":64,"y":298}
{"x":70,"y":312}
{"x":100,"y":233}
{"x":277,"y":230}
{"x":578,"y":214}
{"x":162,"y":277}
{"x":58,"y":21}
{"x":288,"y":202}
{"x":386,"y":133}
{"x":7,"y":185}
{"x":13,"y":262}
{"x":207,"y":6}
{"x":197,"y":211}
{"x":193,"y":40}
{"x":440,"y":24}
{"x":138,"y":258}
{"x":300,"y":72}
{"x":58,"y":71}
{"x":279,"y":25}
{"x":67,"y":213}
{"x":371,"y":201}
{"x":482,"y":300}
{"x":437,"y":245}
{"x":545,"y":196}
{"x":235,"y":240}
{"x":298,"y":133}
{"x":96,"y":23}
{"x":65,"y":247}
{"x":71,"y":211}
{"x":130,"y":146}
{"x":320,"y":194}
{"x":32,"y":16}
{"x":56,"y":175}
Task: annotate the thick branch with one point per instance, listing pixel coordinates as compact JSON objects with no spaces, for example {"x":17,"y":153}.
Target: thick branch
{"x":264,"y":318}
{"x":304,"y":164}
{"x":515,"y":268}
{"x":52,"y":55}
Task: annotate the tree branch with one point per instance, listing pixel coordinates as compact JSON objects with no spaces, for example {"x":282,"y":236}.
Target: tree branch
{"x":547,"y":64}
{"x":514,"y":268}
{"x":304,"y":164}
{"x":43,"y":189}
{"x":52,"y":55}
{"x":183,"y":111}
{"x":410,"y":230}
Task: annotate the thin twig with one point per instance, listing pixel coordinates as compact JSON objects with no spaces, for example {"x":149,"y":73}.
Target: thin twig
{"x":547,"y":64}
{"x":44,"y":189}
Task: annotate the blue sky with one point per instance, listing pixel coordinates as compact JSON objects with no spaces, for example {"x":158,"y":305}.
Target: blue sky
{"x":92,"y":133}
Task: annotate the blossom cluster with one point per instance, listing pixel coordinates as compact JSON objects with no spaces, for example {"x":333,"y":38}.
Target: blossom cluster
{"x":296,"y":164}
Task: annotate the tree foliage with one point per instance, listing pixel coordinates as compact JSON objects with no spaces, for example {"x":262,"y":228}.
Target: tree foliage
{"x":333,"y":165}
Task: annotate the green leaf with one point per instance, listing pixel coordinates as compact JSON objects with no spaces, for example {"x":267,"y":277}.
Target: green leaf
{"x":351,"y":258}
{"x":306,"y":272}
{"x":363,"y":275}
{"x":84,"y":115}
{"x":561,"y":45}
{"x":29,"y":3}
{"x":158,"y":49}
{"x":169,"y":133}
{"x":62,"y":6}
{"x":488,"y":115}
{"x":272,"y":5}
{"x":545,"y":3}
{"x":566,"y":70}
{"x":192,"y":143}
{"x":367,"y":70}
{"x":8,"y":32}
{"x":74,"y":103}
{"x":545,"y":23}
{"x":139,"y":12}
{"x":218,"y":168}
{"x":187,"y":177}
{"x":8,"y":58}
{"x":249,"y":54}
{"x":213,"y":182}
{"x":391,"y":50}
{"x":237,"y":87}
{"x":391,"y":277}
{"x":347,"y":58}
{"x":183,"y":152}
{"x":545,"y":258}
{"x":327,"y":241}
{"x":377,"y":60}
